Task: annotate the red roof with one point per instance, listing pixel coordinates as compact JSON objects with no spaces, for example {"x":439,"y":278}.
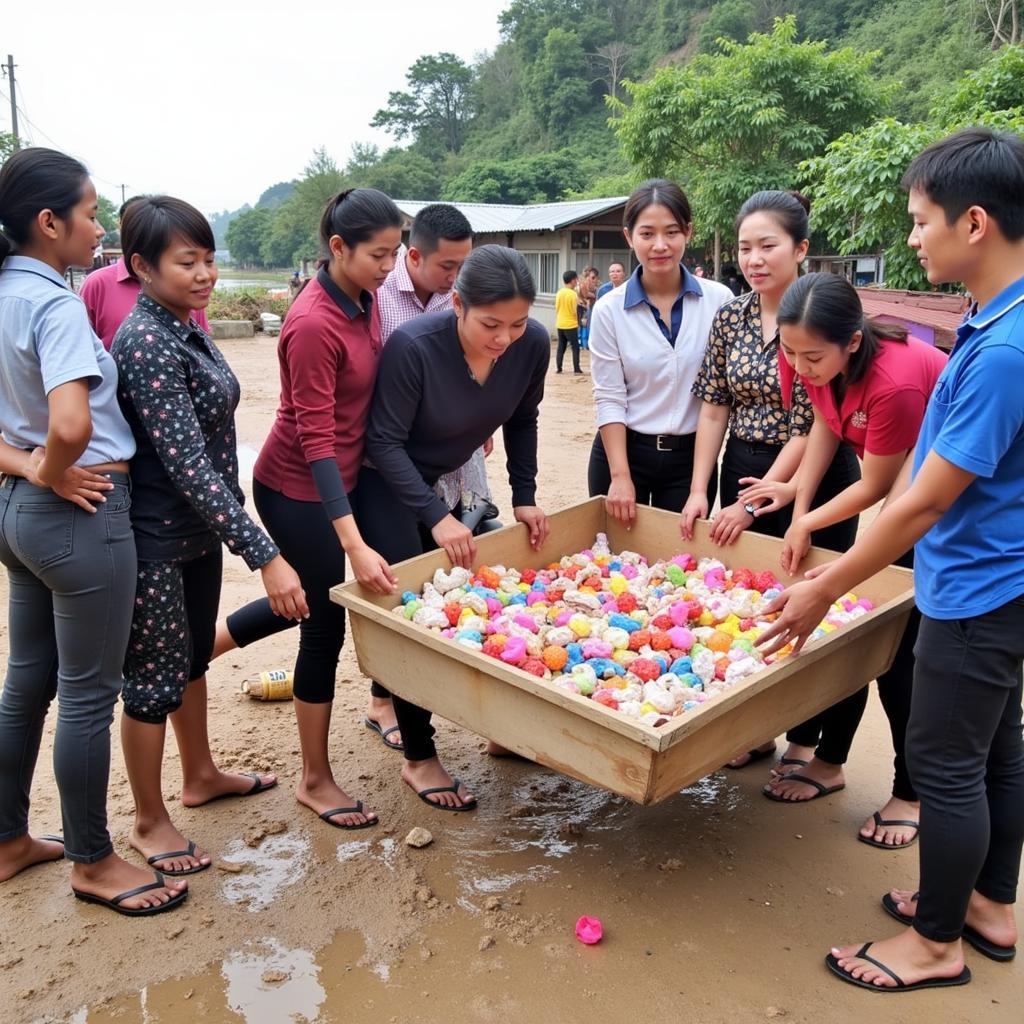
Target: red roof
{"x":940,"y":311}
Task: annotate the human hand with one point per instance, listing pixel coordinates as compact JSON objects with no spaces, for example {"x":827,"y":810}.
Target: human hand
{"x":730,"y":523}
{"x":621,"y":501}
{"x":776,"y":493}
{"x":488,"y":446}
{"x":696,"y":507}
{"x":81,"y":487}
{"x":283,"y":587}
{"x":371,"y":570}
{"x":536,"y":521}
{"x":457,"y":541}
{"x":796,"y":544}
{"x":803,"y":606}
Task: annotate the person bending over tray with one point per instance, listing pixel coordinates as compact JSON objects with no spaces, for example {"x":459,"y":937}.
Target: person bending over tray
{"x":446,"y":382}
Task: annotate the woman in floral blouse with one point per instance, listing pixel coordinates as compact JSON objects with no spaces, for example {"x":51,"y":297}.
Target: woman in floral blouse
{"x":179,"y":396}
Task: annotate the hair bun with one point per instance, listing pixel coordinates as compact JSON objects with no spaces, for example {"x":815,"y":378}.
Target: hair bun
{"x":801,"y":199}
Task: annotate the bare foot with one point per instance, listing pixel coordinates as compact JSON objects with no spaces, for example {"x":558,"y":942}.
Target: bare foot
{"x":325,"y":796}
{"x":497,"y":750}
{"x":431,"y":774}
{"x":742,"y":760}
{"x":794,"y":759}
{"x":196,"y":792}
{"x":909,"y":955}
{"x":111,"y":876}
{"x":382,"y":711}
{"x":893,"y":834}
{"x":794,"y":790}
{"x":24,"y":852}
{"x":159,"y":837}
{"x":993,"y":921}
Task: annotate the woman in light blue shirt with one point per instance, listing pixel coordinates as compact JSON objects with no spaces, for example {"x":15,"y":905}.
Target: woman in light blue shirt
{"x":65,"y":535}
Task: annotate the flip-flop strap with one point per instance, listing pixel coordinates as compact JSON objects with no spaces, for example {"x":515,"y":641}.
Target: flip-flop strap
{"x":190,"y":852}
{"x":140,"y":889}
{"x":862,"y":954}
{"x":794,"y":760}
{"x":358,"y":809}
{"x":387,"y":732}
{"x":440,"y":789}
{"x":52,"y":839}
{"x":795,"y":777}
{"x":881,"y":822}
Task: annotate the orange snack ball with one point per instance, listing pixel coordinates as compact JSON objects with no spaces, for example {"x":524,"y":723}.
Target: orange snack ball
{"x":555,"y":657}
{"x":719,"y":641}
{"x":528,"y":575}
{"x":555,"y":594}
{"x":535,"y":667}
{"x":488,"y":577}
{"x":639,"y":638}
{"x":500,"y":639}
{"x":662,"y":622}
{"x":626,"y":603}
{"x":660,"y":640}
{"x":721,"y":666}
{"x":453,"y":611}
{"x":645,"y":669}
{"x":492,"y":649}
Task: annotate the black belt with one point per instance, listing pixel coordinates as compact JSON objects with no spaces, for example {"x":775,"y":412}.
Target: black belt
{"x":662,"y":442}
{"x":758,"y":446}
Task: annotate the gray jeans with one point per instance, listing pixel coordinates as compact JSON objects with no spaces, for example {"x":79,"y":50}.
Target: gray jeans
{"x":72,"y":587}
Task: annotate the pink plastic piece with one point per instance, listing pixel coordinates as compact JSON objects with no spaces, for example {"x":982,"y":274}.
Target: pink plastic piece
{"x":589,"y":930}
{"x":526,"y":622}
{"x":515,"y":651}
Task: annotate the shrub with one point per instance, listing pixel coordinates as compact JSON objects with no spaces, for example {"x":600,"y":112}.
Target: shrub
{"x":244,"y":304}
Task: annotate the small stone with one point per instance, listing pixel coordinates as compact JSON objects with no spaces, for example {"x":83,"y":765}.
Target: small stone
{"x":13,"y":962}
{"x":229,"y":867}
{"x":570,"y":830}
{"x":425,"y":954}
{"x":424,"y":895}
{"x":190,"y":993}
{"x":419,"y":837}
{"x":254,"y":836}
{"x":207,"y":919}
{"x":834,"y":892}
{"x":776,"y":1011}
{"x":175,"y":931}
{"x":672,"y":864}
{"x":492,"y":903}
{"x":798,"y":836}
{"x":486,"y":942}
{"x":275,"y":828}
{"x":274,"y":976}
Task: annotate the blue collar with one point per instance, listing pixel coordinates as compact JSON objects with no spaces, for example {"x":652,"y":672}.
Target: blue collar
{"x":635,"y":292}
{"x":998,"y":306}
{"x":30,"y":265}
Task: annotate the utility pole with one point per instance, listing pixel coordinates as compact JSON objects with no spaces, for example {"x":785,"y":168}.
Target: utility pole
{"x":9,"y":72}
{"x":122,"y":187}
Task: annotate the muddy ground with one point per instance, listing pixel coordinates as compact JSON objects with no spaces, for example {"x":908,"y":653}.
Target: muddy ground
{"x":718,"y":905}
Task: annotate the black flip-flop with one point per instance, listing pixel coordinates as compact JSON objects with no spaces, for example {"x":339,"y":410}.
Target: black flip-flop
{"x":190,"y":852}
{"x":822,"y":789}
{"x":973,"y":938}
{"x":832,"y":963}
{"x":357,"y":809}
{"x":881,"y":822}
{"x":753,"y":756}
{"x":424,"y":794}
{"x":115,"y":903}
{"x":258,"y":786}
{"x":384,"y":733}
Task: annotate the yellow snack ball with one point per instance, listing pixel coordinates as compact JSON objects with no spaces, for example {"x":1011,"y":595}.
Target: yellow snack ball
{"x":829,"y":627}
{"x":623,"y":658}
{"x":615,"y":683}
{"x":646,"y":708}
{"x":467,"y":613}
{"x":639,"y":615}
{"x":524,"y":588}
{"x":706,"y":619}
{"x":732,"y":619}
{"x":602,"y":559}
{"x":580,"y":625}
{"x":618,"y":584}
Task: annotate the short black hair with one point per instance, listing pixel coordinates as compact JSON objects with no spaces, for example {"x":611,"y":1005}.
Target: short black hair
{"x":152,"y":223}
{"x":494,"y":273}
{"x":974,"y":167}
{"x":569,"y":275}
{"x":657,"y":192}
{"x":355,"y":215}
{"x":128,"y":202}
{"x":436,"y":223}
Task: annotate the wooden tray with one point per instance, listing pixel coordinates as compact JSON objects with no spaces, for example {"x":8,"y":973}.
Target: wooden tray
{"x":587,"y":741}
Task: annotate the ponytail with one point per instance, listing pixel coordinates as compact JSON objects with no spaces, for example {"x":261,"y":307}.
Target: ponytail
{"x":356,"y":214}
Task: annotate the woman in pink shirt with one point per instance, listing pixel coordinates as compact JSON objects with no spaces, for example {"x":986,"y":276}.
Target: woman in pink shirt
{"x":868,"y":383}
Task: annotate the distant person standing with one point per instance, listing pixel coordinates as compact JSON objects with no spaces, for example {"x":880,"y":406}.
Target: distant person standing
{"x":109,"y":294}
{"x":587,"y":290}
{"x":616,"y":275}
{"x":567,"y":321}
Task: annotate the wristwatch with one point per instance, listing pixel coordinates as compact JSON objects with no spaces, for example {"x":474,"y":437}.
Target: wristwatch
{"x":750,"y":508}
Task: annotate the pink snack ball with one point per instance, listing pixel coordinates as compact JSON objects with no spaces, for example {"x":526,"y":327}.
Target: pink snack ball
{"x":681,"y":638}
{"x":494,"y":606}
{"x":589,"y":930}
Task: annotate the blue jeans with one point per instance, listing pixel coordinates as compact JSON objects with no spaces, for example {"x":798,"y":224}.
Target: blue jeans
{"x":72,"y":586}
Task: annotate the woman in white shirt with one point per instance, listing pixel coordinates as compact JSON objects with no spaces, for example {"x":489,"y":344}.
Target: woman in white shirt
{"x":647,"y":341}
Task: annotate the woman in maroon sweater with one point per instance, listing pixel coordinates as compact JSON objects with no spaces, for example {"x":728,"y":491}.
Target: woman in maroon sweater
{"x":306,"y":473}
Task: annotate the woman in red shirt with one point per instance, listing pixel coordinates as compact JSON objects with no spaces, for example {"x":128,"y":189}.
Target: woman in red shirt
{"x":868,"y":383}
{"x":306,"y":473}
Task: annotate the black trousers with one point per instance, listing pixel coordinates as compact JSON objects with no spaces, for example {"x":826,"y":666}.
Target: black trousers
{"x":568,"y":337}
{"x":967,"y":761}
{"x":661,"y":478}
{"x":395,"y":532}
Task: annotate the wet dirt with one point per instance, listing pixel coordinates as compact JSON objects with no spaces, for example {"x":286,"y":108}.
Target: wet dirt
{"x":717,"y":905}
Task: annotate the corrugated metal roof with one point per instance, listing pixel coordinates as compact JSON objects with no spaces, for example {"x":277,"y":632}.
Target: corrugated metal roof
{"x":499,"y":217}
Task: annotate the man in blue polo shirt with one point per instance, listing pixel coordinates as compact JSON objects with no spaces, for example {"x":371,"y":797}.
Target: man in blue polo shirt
{"x":964,"y":511}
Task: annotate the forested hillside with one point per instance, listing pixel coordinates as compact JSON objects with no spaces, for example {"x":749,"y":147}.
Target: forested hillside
{"x":530,"y":121}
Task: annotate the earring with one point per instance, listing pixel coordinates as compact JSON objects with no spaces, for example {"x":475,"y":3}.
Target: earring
{"x":148,"y":281}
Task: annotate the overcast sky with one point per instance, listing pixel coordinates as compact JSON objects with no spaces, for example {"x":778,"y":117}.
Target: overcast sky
{"x":215,"y":101}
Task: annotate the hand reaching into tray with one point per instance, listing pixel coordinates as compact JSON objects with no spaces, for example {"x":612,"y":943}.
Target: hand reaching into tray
{"x":803,"y":606}
{"x":457,"y":541}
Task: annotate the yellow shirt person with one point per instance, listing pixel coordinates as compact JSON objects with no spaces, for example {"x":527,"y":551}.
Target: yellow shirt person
{"x":566,"y":300}
{"x":566,"y":322}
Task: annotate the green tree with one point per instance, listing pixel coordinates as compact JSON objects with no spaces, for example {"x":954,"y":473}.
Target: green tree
{"x":544,"y":177}
{"x":437,"y":107}
{"x":405,"y":174}
{"x":558,"y":83}
{"x":246,"y":233}
{"x":729,"y":124}
{"x":106,"y":214}
{"x":9,"y":143}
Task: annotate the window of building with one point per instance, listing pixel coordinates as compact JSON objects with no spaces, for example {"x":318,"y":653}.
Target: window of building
{"x":544,"y":268}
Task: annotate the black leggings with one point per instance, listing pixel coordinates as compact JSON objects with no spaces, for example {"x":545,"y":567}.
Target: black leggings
{"x":967,"y":761}
{"x":661,"y":478}
{"x":309,"y":544}
{"x":395,"y":532}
